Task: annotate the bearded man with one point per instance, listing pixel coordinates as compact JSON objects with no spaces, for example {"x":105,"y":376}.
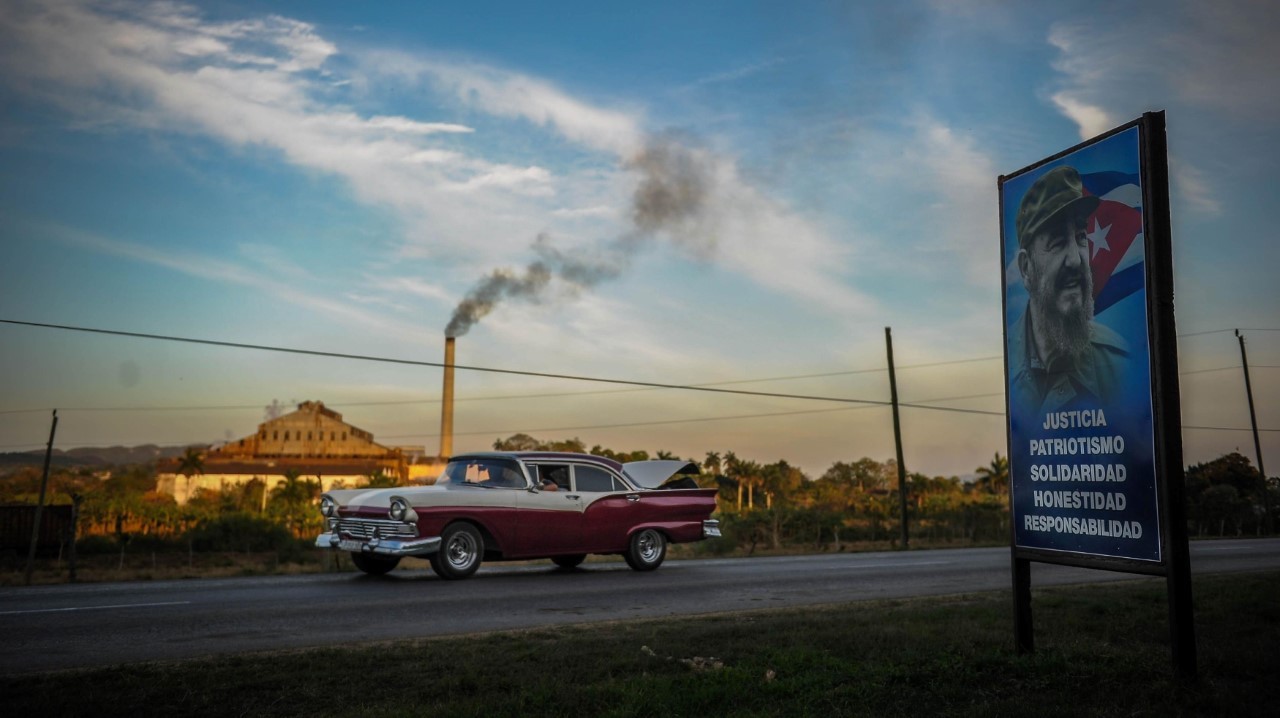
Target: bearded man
{"x":1059,"y":358}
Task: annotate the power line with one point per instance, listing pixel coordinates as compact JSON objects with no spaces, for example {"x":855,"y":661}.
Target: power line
{"x":1223,"y":428}
{"x":659,"y":422}
{"x":505,"y":397}
{"x":643,"y":386}
{"x":625,"y":425}
{"x":1207,"y":371}
{"x":493,"y":370}
{"x":916,"y":404}
{"x":710,"y":418}
{"x":1218,"y":331}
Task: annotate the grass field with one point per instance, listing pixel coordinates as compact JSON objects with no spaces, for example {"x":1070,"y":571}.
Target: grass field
{"x":1102,"y":651}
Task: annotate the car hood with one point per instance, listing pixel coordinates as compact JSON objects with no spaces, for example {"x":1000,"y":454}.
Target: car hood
{"x":381,"y":498}
{"x":653,"y":474}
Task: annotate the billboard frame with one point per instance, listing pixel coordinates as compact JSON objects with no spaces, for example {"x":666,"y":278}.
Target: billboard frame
{"x":1174,"y":562}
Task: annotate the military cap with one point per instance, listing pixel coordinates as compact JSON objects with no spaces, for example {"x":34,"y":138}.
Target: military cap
{"x":1055,"y":196}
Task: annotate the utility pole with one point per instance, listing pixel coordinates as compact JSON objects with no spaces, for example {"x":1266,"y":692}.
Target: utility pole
{"x":71,"y":542}
{"x":897,"y":441}
{"x":44,"y":483}
{"x":1257,"y":445}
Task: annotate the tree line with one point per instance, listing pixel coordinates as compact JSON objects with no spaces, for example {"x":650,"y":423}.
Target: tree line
{"x":762,"y":506}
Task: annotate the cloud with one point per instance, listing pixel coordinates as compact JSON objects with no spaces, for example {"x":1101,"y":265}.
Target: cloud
{"x":1213,"y":59}
{"x":1091,"y":119}
{"x":736,"y":74}
{"x":508,"y":94}
{"x":1191,"y":185}
{"x":219,"y":270}
{"x":267,"y":85}
{"x":575,"y":212}
{"x":260,"y":84}
{"x":416,"y":287}
{"x":1224,"y":55}
{"x":949,"y":183}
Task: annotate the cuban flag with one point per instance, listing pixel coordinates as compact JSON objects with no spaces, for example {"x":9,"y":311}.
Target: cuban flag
{"x":1116,"y":247}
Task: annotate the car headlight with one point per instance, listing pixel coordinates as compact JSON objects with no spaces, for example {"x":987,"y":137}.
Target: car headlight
{"x":399,"y":509}
{"x":328,"y":507}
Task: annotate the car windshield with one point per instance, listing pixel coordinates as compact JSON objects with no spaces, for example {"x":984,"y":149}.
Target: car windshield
{"x":487,"y":473}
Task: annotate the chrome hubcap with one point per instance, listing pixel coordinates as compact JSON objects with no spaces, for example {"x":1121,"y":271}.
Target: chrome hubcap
{"x":461,"y":551}
{"x":649,"y":544}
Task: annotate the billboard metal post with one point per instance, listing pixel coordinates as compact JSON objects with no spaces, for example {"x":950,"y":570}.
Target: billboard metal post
{"x":1167,"y":399}
{"x":1023,"y":634}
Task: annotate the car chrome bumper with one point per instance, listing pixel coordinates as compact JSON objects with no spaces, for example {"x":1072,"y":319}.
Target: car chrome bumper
{"x":711,"y":528}
{"x":380,"y":546}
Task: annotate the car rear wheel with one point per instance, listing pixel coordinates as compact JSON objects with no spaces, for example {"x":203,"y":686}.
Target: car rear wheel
{"x":374,"y":565}
{"x":461,"y":549}
{"x":648,"y":548}
{"x":569,"y":561}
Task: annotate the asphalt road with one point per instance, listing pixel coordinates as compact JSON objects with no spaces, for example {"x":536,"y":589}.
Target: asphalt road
{"x":87,"y":625}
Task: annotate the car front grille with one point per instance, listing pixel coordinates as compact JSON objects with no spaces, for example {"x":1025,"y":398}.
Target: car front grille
{"x":364,"y":528}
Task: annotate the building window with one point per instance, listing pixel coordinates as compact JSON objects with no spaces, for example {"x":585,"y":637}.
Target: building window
{"x":286,"y":436}
{"x":275,"y":435}
{"x":308,"y":436}
{"x":330,"y":436}
{"x":344,"y":436}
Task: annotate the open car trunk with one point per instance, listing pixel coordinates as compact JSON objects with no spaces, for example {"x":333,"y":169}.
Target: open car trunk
{"x":662,"y":474}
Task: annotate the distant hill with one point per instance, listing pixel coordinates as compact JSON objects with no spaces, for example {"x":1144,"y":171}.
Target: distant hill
{"x":92,"y":456}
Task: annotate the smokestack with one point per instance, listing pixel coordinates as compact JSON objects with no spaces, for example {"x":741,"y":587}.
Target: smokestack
{"x":446,"y":402}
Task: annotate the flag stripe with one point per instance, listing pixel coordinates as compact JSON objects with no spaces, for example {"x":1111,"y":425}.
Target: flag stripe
{"x":1100,"y":183}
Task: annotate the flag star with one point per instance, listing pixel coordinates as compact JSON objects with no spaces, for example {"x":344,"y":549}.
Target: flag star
{"x":1098,"y":238}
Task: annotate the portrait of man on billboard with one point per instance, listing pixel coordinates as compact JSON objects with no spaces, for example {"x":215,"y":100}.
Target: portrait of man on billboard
{"x":1058,"y":354}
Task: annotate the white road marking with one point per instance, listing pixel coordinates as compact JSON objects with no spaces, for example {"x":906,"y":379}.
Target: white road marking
{"x":93,"y":608}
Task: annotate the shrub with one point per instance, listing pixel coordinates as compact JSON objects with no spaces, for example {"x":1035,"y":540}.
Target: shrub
{"x":239,"y":531}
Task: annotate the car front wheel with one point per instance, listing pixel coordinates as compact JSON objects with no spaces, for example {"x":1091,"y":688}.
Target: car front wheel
{"x":648,"y":548}
{"x":374,"y":565}
{"x":461,"y":549}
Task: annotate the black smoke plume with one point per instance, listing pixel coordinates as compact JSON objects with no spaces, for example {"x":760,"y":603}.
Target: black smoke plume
{"x":671,"y":197}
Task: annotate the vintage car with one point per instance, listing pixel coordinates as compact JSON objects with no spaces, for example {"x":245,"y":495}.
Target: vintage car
{"x":495,"y":506}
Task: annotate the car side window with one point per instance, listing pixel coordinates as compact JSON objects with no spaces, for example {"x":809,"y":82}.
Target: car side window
{"x":483,"y":472}
{"x":591,"y":478}
{"x":555,"y":473}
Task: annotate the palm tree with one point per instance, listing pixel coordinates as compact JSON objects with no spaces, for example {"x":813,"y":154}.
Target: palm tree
{"x":191,"y":463}
{"x":292,"y":499}
{"x":994,"y":477}
{"x":712,"y":463}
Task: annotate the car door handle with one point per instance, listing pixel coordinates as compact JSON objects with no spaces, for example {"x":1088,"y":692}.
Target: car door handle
{"x":633,"y":497}
{"x":573,"y":497}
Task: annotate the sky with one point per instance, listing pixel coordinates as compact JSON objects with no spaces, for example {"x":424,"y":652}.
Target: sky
{"x":736,"y":194}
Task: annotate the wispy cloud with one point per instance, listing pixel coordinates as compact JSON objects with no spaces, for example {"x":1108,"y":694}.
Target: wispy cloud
{"x":214,"y":269}
{"x":948,"y":180}
{"x":515,"y":95}
{"x":1215,"y":58}
{"x":737,"y":73}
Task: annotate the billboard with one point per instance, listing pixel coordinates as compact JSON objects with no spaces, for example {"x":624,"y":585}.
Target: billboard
{"x":1078,"y":353}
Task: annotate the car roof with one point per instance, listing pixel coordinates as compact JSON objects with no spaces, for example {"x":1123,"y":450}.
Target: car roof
{"x":541,"y":456}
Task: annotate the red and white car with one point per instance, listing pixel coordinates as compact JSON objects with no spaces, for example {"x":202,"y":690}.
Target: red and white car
{"x":495,"y":506}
